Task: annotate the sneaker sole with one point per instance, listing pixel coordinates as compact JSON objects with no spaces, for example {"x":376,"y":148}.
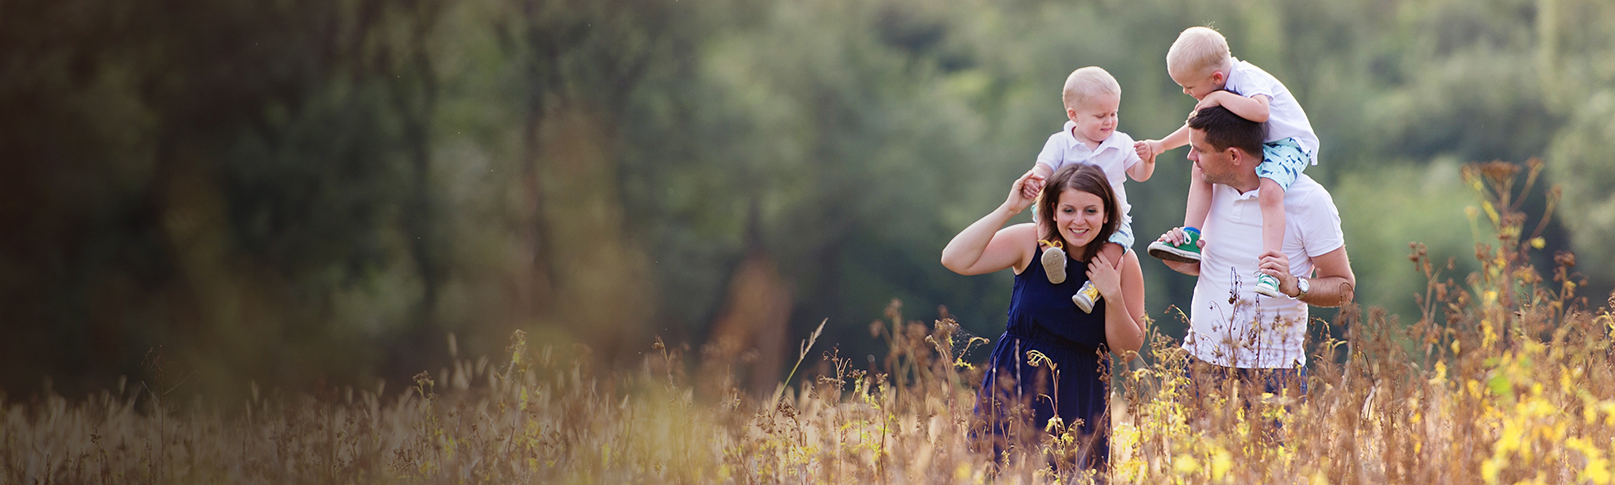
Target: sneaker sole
{"x":1274,"y":293}
{"x":1170,"y":253}
{"x":1085,"y":308}
{"x":1054,"y":267}
{"x":1086,"y":297}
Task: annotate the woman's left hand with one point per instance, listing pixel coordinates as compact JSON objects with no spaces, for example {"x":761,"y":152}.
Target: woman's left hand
{"x":1102,"y":272}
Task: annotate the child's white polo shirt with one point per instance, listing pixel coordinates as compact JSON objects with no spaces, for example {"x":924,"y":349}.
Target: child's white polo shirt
{"x":1115,"y":155}
{"x":1285,"y":117}
{"x":1255,"y":331}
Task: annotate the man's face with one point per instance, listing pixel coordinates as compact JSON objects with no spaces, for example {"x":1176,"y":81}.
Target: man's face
{"x":1214,"y":164}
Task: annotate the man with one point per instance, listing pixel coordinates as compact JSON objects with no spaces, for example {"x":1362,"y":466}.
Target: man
{"x":1233,"y":330}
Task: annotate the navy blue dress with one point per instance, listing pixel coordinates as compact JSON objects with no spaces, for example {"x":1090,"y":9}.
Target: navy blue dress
{"x":1042,"y":317}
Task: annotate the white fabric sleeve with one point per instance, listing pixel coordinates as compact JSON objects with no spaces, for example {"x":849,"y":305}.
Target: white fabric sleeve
{"x":1129,"y":156}
{"x":1254,"y":81}
{"x":1053,"y":153}
{"x":1320,"y":224}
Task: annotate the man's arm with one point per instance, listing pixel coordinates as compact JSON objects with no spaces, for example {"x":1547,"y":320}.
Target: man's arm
{"x":1191,"y":269}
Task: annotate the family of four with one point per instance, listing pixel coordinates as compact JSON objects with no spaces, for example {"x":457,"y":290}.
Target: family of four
{"x":1262,"y":239}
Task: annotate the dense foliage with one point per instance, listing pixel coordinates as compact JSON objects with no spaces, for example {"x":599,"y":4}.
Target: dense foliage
{"x":309,"y":193}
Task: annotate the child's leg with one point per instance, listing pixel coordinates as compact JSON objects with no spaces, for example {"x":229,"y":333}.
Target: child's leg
{"x":1114,"y":253}
{"x":1282,"y":163}
{"x":1194,"y":215}
{"x":1120,"y":242}
{"x":1271,"y":198}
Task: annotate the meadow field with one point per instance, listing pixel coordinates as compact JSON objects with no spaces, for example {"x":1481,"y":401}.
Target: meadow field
{"x":1506,"y":378}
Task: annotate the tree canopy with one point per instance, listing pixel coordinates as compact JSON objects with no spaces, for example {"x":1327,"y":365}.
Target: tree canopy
{"x":306,"y":192}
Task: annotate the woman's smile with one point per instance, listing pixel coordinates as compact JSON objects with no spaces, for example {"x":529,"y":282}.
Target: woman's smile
{"x":1080,"y":215}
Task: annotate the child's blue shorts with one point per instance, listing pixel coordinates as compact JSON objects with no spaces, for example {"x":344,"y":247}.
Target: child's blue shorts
{"x":1283,"y":161}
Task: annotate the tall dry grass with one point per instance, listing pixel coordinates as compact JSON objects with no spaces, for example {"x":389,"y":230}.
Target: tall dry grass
{"x":1505,"y":378}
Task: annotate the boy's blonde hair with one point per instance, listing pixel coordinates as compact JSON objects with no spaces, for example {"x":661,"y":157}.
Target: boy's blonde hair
{"x":1086,"y":83}
{"x":1197,"y":52}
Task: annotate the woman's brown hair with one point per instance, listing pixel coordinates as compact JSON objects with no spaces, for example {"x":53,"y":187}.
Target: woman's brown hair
{"x":1083,"y":177}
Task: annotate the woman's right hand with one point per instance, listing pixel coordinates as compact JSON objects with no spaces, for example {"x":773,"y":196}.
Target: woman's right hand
{"x":1023,"y":192}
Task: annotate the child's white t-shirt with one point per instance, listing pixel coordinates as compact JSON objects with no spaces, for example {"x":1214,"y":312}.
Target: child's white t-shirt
{"x":1285,"y":117}
{"x":1115,"y":155}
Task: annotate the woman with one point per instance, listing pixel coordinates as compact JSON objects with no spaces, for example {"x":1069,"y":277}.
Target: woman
{"x":1043,"y":318}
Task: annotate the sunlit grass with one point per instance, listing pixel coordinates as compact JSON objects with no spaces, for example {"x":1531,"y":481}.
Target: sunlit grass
{"x":1504,"y":379}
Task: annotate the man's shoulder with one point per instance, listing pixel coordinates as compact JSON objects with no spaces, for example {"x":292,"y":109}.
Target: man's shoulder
{"x":1306,"y":193}
{"x":1310,"y":207}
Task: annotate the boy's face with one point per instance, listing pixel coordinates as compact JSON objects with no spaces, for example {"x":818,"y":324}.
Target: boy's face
{"x":1095,"y":117}
{"x":1198,"y":86}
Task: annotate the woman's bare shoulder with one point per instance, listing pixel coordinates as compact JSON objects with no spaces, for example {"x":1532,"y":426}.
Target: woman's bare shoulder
{"x":1022,"y":237}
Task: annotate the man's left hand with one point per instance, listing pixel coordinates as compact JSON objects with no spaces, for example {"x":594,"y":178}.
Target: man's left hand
{"x":1277,"y":265}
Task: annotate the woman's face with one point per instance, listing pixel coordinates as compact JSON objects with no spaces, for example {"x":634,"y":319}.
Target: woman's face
{"x":1079,"y":216}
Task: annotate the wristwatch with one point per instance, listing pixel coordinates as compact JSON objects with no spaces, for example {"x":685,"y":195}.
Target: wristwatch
{"x":1301,"y":287}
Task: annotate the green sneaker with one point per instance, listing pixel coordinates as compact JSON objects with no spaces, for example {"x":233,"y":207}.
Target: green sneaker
{"x":1187,"y":252}
{"x":1267,"y":285}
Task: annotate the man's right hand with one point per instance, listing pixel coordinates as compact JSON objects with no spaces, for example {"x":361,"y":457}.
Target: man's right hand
{"x":1177,"y":236}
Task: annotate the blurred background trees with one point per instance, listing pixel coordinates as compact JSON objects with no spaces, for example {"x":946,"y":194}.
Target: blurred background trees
{"x":312,"y":193}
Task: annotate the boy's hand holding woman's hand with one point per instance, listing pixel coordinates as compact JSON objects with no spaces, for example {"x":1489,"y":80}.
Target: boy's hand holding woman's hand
{"x":1023,"y":192}
{"x":1030,"y":185}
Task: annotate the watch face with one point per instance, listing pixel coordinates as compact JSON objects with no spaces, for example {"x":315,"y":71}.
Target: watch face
{"x":1303,"y":285}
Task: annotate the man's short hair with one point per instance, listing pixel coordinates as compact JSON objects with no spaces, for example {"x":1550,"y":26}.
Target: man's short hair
{"x":1197,"y":52}
{"x":1225,"y":129}
{"x":1083,"y":84}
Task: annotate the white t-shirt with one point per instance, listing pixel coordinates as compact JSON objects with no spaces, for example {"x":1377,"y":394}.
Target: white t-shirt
{"x":1115,"y":155}
{"x":1285,"y":117}
{"x":1256,"y":331}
